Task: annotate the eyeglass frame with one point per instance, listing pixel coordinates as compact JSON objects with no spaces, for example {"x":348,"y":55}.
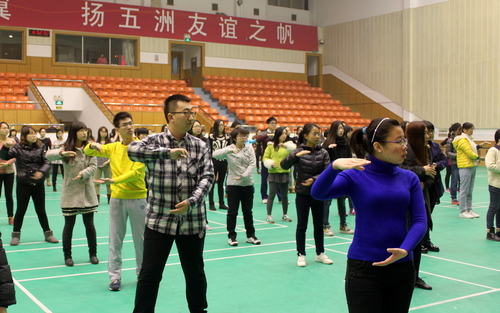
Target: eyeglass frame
{"x":192,"y":113}
{"x":402,"y":142}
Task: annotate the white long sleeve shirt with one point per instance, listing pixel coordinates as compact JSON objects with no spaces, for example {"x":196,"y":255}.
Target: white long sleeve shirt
{"x":240,"y":164}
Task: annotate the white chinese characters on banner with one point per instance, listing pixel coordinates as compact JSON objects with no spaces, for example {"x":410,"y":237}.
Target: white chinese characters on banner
{"x":4,"y":10}
{"x":130,"y":20}
{"x":284,"y":33}
{"x":228,"y":28}
{"x":97,"y":16}
{"x":260,"y":28}
{"x":197,"y":25}
{"x":164,"y":19}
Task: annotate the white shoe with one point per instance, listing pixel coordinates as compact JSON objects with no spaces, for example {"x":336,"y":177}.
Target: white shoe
{"x":253,"y":240}
{"x":301,"y":261}
{"x":207,"y":227}
{"x":232,"y":242}
{"x":328,"y":231}
{"x":270,"y":219}
{"x":286,"y":218}
{"x":465,"y":215}
{"x":323,"y":258}
{"x":264,"y":201}
{"x":474,"y":214}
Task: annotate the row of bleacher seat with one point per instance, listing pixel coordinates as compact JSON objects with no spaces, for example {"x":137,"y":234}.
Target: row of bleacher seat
{"x":250,"y":80}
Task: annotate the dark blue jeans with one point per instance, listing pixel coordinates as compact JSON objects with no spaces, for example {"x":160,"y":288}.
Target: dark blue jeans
{"x":303,"y":204}
{"x":235,"y":196}
{"x":493,"y":208}
{"x":157,"y":248}
{"x":455,"y":179}
{"x":379,"y":289}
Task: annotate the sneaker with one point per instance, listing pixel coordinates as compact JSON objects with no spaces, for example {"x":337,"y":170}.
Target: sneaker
{"x":253,"y":240}
{"x":424,"y":249}
{"x":465,"y":215}
{"x":207,"y":227}
{"x":264,"y":201}
{"x":115,"y":285}
{"x":286,"y":218}
{"x":474,"y":214}
{"x":301,"y":261}
{"x":323,"y":258}
{"x":270,"y":219}
{"x":328,"y":231}
{"x":352,"y":211}
{"x":431,"y":247}
{"x":222,"y":206}
{"x":455,"y":202}
{"x":232,"y":242}
{"x":11,"y":220}
{"x":448,"y":190}
{"x":344,"y":229}
{"x":212,"y":207}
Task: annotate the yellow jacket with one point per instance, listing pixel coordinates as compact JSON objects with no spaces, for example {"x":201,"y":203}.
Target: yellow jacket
{"x":466,"y":155}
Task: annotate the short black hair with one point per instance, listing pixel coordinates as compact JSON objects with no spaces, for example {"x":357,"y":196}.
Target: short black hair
{"x":171,"y":103}
{"x":235,"y":123}
{"x":141,"y":131}
{"x":120,"y":116}
{"x":238,"y":131}
{"x":272,"y":118}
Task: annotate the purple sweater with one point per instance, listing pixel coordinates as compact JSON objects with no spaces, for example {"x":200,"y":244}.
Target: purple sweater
{"x":386,"y":199}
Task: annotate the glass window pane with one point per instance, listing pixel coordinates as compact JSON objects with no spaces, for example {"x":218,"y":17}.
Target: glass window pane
{"x":68,"y":49}
{"x":11,"y":45}
{"x":175,"y":66}
{"x":272,"y":2}
{"x":123,"y":52}
{"x":285,"y":3}
{"x":96,"y":49}
{"x":298,"y":4}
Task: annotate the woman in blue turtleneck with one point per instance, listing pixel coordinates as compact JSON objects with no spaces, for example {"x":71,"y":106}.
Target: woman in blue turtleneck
{"x":380,"y":274}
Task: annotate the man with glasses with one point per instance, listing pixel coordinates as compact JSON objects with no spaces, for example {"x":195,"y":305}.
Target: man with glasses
{"x":128,"y":196}
{"x":181,"y":175}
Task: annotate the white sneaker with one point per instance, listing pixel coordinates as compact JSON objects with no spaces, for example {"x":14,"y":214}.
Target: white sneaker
{"x":253,"y":240}
{"x":207,"y":227}
{"x":465,"y":215}
{"x":473,"y":214}
{"x":301,"y":261}
{"x":346,"y":230}
{"x":264,"y":201}
{"x":328,"y":231}
{"x":286,"y":218}
{"x":232,"y":242}
{"x":270,"y":219}
{"x":323,"y":258}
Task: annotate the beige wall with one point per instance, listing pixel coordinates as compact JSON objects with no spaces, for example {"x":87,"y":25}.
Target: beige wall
{"x":439,"y":61}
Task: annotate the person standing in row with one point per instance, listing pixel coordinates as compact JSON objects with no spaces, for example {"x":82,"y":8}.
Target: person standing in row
{"x":264,"y":139}
{"x":48,"y":145}
{"x":128,"y":196}
{"x":241,"y":162}
{"x":57,"y":164}
{"x":7,"y":173}
{"x":78,"y":194}
{"x":32,"y":167}
{"x":218,"y":140}
{"x":492,"y":161}
{"x":310,"y":160}
{"x":278,"y":177}
{"x":103,"y":167}
{"x":380,"y":274}
{"x":451,"y":153}
{"x":182,"y":174}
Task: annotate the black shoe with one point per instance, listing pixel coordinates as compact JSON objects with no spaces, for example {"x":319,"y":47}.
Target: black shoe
{"x":424,"y":249}
{"x":212,"y":207}
{"x":420,"y":283}
{"x":94,"y":259}
{"x":222,"y":206}
{"x":431,"y":247}
{"x":492,"y":236}
{"x":69,"y":262}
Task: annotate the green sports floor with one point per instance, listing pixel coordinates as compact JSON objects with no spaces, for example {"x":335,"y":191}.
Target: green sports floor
{"x":248,"y":278}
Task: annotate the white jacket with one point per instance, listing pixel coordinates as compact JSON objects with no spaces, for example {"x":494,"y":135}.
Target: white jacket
{"x":492,"y":161}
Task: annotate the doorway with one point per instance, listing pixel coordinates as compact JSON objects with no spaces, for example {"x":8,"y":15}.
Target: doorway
{"x":314,"y":70}
{"x":186,"y":60}
{"x":177,"y":66}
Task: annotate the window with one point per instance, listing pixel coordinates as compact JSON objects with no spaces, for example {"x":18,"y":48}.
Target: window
{"x":256,"y":12}
{"x":294,"y":4}
{"x":11,"y":45}
{"x":95,"y":50}
{"x":215,"y":7}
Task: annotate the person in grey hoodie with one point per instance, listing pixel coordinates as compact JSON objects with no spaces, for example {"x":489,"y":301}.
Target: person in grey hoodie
{"x":240,"y":189}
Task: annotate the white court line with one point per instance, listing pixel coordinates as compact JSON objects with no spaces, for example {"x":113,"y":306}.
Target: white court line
{"x":458,"y":280}
{"x":463,"y":263}
{"x":453,"y":300}
{"x":32,"y":297}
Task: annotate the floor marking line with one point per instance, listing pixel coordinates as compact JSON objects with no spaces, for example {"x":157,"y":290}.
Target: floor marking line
{"x":458,"y":280}
{"x":32,"y":297}
{"x":452,"y":300}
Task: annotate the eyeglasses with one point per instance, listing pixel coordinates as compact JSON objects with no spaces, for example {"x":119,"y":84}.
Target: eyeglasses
{"x":186,"y":113}
{"x":242,"y":137}
{"x":127,"y":124}
{"x":402,"y":142}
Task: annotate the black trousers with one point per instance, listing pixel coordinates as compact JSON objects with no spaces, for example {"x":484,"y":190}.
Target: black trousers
{"x":220,"y":171}
{"x":235,"y":196}
{"x":7,"y":180}
{"x":379,"y":289}
{"x":157,"y":248}
{"x":304,"y":204}
{"x":55,"y":171}
{"x":24,"y":192}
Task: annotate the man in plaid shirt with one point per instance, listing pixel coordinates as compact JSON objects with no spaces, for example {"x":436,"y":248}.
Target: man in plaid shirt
{"x":180,"y":175}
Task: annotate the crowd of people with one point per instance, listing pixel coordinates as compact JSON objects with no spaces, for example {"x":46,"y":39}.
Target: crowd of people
{"x":387,"y":172}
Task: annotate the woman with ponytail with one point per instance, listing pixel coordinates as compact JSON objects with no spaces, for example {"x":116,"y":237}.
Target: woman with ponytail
{"x":380,"y":274}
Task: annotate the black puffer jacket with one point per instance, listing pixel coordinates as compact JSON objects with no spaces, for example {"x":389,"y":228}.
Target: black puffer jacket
{"x":29,"y":160}
{"x":308,"y":166}
{"x":7,"y":292}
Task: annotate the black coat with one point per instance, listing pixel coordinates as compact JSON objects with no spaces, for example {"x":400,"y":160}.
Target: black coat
{"x":28,"y":160}
{"x":7,"y":291}
{"x":308,"y":166}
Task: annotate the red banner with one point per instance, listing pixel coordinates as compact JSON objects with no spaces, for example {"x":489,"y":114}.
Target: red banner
{"x":112,"y":18}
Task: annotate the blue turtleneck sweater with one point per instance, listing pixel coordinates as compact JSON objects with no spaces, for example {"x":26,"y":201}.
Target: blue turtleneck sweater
{"x":386,"y":197}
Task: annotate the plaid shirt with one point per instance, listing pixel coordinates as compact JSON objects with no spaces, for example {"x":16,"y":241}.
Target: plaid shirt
{"x":173,"y":181}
